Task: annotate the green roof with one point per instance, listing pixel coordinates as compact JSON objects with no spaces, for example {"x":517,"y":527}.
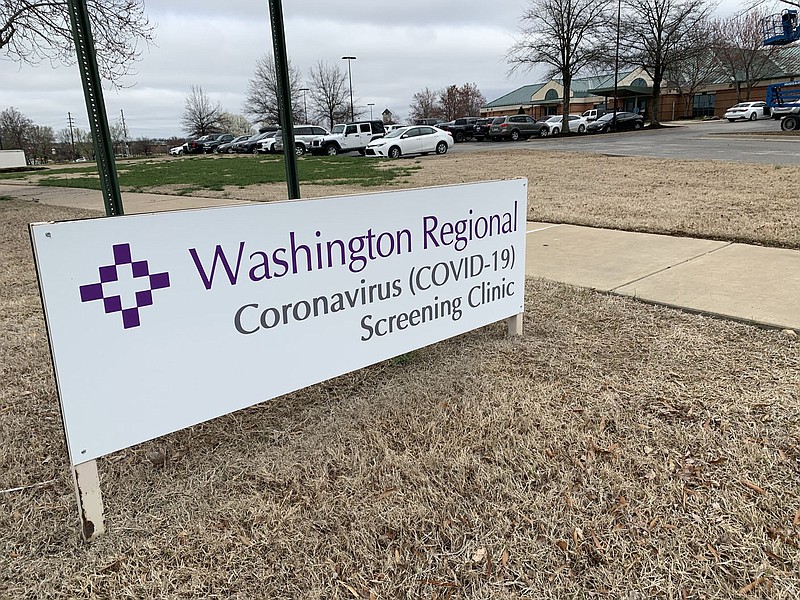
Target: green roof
{"x":520,"y":96}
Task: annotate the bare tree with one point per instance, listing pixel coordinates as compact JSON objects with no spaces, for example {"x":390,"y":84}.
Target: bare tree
{"x":14,"y":129}
{"x":39,"y":144}
{"x":455,"y":101}
{"x":200,"y":115}
{"x":32,"y":31}
{"x":690,"y":76}
{"x":329,"y":93}
{"x":738,"y":46}
{"x":143,"y":146}
{"x":567,"y":36}
{"x":425,"y":105}
{"x":261,"y":101}
{"x":660,"y":34}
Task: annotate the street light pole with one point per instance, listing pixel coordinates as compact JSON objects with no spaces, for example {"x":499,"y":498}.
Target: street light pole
{"x":616,"y":64}
{"x":350,"y":77}
{"x":305,"y":106}
{"x":370,"y":104}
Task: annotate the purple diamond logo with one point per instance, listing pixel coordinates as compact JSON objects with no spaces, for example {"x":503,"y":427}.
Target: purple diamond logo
{"x":125,"y":286}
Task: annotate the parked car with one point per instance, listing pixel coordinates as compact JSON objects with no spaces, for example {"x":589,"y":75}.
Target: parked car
{"x":482,"y":127}
{"x":516,"y":127}
{"x":593,"y":114}
{"x":228,"y":147}
{"x":303,"y":136}
{"x":462,"y":128}
{"x":747,"y":110}
{"x":624,"y":121}
{"x":212,"y":145}
{"x":196,"y":146}
{"x":576,"y":124}
{"x":266,"y":143}
{"x":422,"y":139}
{"x":178,"y":150}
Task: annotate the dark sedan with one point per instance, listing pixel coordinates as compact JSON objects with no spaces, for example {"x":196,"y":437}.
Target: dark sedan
{"x":624,"y":121}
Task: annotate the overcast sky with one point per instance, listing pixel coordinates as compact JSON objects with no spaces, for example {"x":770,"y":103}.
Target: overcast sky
{"x":400,"y":48}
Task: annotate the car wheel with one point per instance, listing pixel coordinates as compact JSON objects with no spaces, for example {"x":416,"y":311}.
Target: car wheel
{"x":299,"y":149}
{"x":606,"y":129}
{"x":441,"y":148}
{"x":581,"y":128}
{"x":544,"y":132}
{"x":255,"y":150}
{"x":394,"y":152}
{"x":514,"y":135}
{"x":331,"y":150}
{"x":731,"y":120}
{"x":753,"y":116}
{"x":637,"y":125}
{"x":459,"y":137}
{"x":556,"y":131}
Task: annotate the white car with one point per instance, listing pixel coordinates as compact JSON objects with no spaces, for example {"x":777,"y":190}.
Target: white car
{"x":746,"y":110}
{"x":414,"y":139}
{"x":267,"y":144}
{"x":177,"y":150}
{"x":577,"y":124}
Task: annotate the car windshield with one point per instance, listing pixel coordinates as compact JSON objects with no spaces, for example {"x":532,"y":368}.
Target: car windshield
{"x":338,"y":129}
{"x":498,"y":120}
{"x":396,"y":132}
{"x":555,"y":119}
{"x":740,"y":106}
{"x":607,"y":117}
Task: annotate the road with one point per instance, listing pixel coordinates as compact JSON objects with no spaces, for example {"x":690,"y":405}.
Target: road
{"x":715,"y":140}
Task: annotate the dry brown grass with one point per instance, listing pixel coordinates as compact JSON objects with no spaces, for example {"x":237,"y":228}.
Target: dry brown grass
{"x":615,"y":450}
{"x":749,"y":203}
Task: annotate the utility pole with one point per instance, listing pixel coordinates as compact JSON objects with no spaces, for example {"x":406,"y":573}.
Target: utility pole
{"x":305,"y":106}
{"x":616,"y":65}
{"x":124,"y":134}
{"x":71,"y":136}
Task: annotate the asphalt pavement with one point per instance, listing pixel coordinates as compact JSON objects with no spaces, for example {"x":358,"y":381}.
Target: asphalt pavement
{"x":742,"y":141}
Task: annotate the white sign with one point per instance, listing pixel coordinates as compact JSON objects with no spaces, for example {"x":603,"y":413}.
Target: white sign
{"x":10,"y":159}
{"x":161,"y":321}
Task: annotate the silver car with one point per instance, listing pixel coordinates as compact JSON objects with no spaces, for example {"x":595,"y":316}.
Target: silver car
{"x":303,"y":135}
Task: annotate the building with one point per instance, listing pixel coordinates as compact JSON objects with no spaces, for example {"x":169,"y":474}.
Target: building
{"x":634,"y":91}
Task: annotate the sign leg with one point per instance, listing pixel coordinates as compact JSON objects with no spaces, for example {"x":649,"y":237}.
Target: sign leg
{"x":90,"y":500}
{"x":514,"y":325}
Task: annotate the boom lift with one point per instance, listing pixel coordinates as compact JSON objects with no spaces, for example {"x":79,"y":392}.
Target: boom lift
{"x":779,"y":30}
{"x":783,"y":99}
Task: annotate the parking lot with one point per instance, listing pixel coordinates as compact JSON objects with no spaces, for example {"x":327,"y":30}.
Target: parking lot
{"x":709,"y":140}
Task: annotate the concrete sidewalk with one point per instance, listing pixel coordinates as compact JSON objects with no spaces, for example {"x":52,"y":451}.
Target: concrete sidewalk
{"x":747,"y":283}
{"x":739,"y":281}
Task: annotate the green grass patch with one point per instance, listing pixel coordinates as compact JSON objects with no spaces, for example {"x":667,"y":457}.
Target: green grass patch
{"x":214,"y":173}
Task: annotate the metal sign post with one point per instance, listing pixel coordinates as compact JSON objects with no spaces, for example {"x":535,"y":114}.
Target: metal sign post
{"x":284,"y":97}
{"x":93,"y":93}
